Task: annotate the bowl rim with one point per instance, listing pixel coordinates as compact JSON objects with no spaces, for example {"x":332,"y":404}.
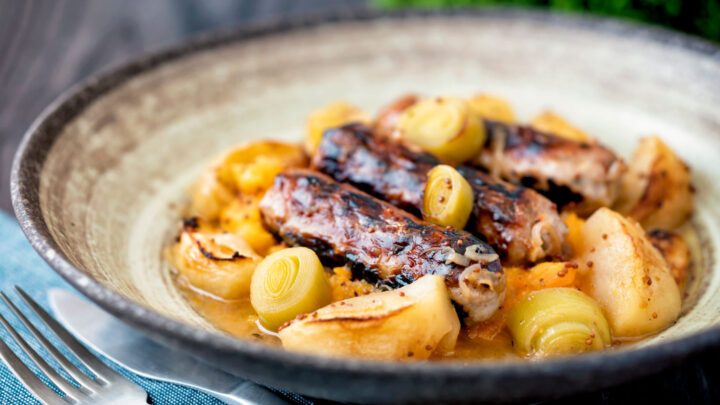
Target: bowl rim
{"x":39,"y":138}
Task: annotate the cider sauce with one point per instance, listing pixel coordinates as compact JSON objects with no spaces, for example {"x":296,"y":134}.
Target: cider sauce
{"x":238,"y":319}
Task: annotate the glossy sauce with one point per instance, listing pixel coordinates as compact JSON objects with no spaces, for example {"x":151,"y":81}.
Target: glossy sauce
{"x":235,"y":317}
{"x":238,"y":318}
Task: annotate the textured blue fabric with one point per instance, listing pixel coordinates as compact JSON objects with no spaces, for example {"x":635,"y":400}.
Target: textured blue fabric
{"x":21,"y":265}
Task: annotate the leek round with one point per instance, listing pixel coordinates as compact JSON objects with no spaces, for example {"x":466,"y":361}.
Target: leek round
{"x":448,"y":198}
{"x":558,"y":321}
{"x":286,"y":284}
{"x":445,"y":127}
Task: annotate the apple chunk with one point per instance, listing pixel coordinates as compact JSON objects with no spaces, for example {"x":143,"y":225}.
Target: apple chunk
{"x":627,"y":276}
{"x":657,"y":189}
{"x":411,"y":322}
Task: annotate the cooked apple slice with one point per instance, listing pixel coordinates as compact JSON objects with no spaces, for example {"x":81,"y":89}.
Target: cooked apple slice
{"x":550,"y":123}
{"x":408,"y":323}
{"x":627,"y":276}
{"x":656,"y":191}
{"x":219,"y":263}
{"x":492,"y":108}
{"x":673,"y":248}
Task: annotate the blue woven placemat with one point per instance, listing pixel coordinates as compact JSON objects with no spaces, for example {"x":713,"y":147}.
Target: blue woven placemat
{"x":21,"y":265}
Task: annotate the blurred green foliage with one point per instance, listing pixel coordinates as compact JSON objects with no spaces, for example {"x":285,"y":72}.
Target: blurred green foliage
{"x":700,"y":17}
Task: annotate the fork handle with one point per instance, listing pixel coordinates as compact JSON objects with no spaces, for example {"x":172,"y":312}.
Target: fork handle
{"x":248,"y":393}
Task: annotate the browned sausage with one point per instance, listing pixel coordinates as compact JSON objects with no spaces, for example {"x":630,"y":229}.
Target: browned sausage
{"x":583,"y":174}
{"x":381,"y":241}
{"x":520,"y":224}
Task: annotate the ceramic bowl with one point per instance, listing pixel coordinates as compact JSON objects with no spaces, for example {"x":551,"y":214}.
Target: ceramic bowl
{"x":98,"y":179}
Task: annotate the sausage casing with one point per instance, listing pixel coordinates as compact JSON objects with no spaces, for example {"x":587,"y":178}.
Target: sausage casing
{"x":345,"y":225}
{"x":567,"y":171}
{"x":520,"y":224}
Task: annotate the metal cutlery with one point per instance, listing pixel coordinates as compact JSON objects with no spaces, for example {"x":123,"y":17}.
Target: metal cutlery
{"x":106,"y":386}
{"x":132,"y":350}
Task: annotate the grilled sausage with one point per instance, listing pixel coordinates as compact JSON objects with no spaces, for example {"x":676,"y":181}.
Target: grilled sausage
{"x":381,"y":241}
{"x":584,"y":174}
{"x":567,"y":171}
{"x":518,"y":223}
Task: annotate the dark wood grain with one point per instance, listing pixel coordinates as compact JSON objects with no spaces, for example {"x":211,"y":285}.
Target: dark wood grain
{"x":47,"y":45}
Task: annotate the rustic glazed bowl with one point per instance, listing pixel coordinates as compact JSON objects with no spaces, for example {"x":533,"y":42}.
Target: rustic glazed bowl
{"x":97,"y":180}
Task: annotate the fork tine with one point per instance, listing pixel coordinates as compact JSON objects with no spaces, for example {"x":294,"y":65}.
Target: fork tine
{"x":101,"y":371}
{"x":56,"y":378}
{"x":30,"y":380}
{"x":78,"y":375}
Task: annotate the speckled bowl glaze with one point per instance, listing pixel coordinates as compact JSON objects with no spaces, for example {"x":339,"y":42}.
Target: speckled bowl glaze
{"x":97,"y":176}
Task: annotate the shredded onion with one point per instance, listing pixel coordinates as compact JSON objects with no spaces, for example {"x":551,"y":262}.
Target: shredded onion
{"x":455,"y":257}
{"x":497,"y":147}
{"x":472,"y":253}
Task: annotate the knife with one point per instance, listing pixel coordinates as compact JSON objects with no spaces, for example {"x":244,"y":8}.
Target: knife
{"x":132,"y":350}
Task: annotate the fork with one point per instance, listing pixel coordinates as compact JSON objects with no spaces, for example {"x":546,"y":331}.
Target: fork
{"x":107,"y":386}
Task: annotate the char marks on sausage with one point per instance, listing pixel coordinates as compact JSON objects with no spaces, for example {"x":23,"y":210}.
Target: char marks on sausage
{"x":381,"y":241}
{"x":584,"y":173}
{"x":517,"y":222}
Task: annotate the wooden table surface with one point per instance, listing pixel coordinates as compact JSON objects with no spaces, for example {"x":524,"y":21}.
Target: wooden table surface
{"x":47,"y":45}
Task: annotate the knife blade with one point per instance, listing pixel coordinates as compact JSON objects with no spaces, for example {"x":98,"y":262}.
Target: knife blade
{"x":132,"y":350}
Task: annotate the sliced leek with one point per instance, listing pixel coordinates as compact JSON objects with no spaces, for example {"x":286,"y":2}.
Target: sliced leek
{"x":331,"y":116}
{"x":286,"y":284}
{"x":443,"y":126}
{"x":558,"y":321}
{"x":448,"y":198}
